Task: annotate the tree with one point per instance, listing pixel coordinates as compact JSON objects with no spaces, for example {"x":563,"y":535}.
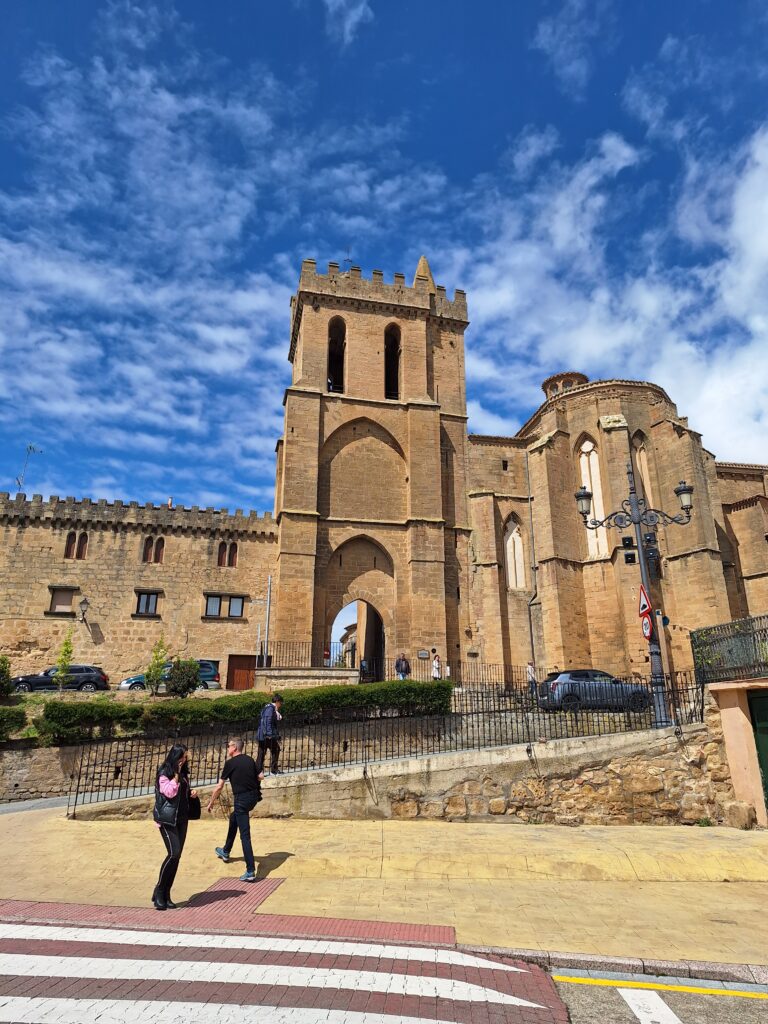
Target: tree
{"x":5,"y":675}
{"x":183,"y":678}
{"x":155,"y":671}
{"x":64,"y":661}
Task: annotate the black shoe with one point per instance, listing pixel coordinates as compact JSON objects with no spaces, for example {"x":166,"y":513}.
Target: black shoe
{"x":170,"y":904}
{"x":159,"y":901}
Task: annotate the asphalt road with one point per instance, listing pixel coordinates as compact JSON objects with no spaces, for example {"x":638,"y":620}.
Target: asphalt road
{"x":614,"y":1002}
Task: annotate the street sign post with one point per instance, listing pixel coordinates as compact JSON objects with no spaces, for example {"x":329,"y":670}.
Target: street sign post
{"x":645,"y":621}
{"x":643,"y":605}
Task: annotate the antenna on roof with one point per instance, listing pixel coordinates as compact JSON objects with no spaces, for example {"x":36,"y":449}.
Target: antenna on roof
{"x":346,"y":264}
{"x":30,"y":450}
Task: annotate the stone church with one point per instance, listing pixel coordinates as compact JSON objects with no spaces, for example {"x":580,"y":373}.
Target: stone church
{"x":465,"y":543}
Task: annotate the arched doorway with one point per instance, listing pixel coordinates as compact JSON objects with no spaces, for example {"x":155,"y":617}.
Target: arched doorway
{"x":358,"y":640}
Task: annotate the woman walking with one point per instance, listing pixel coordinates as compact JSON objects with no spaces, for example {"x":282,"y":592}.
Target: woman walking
{"x":171,"y":815}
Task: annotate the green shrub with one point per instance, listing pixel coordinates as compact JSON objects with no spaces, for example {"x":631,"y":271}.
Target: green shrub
{"x":11,"y":720}
{"x":5,"y":676}
{"x":76,"y":721}
{"x":155,"y":671}
{"x":183,"y":679}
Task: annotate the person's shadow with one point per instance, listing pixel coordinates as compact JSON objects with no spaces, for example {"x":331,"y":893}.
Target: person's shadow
{"x":270,"y":862}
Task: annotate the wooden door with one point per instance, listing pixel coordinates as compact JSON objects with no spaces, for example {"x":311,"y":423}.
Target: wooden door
{"x":241,"y":669}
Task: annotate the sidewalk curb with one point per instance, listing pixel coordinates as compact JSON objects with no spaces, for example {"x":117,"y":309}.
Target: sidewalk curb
{"x":753,"y":974}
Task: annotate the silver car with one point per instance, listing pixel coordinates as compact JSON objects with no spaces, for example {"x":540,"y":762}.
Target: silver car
{"x":209,"y":678}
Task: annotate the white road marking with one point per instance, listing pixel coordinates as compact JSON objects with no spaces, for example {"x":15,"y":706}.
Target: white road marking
{"x":17,"y":1009}
{"x":132,"y":937}
{"x":648,"y":1006}
{"x":251,"y":974}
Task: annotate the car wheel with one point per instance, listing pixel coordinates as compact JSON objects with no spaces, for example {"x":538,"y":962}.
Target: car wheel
{"x":202,"y":686}
{"x":570,"y":702}
{"x":87,"y":687}
{"x":23,"y":688}
{"x":639,"y":702}
{"x":137,"y":686}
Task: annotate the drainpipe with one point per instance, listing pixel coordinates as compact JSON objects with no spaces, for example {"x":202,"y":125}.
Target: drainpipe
{"x":534,"y":566}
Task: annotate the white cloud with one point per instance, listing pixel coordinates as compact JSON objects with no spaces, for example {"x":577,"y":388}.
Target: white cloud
{"x":344,"y":18}
{"x":531,"y":147}
{"x":569,"y":37}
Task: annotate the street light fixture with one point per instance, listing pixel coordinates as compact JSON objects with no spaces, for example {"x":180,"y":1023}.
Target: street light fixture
{"x":84,"y":605}
{"x":635,"y":512}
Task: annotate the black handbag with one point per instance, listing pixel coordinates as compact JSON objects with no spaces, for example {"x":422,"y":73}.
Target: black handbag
{"x":195,"y":808}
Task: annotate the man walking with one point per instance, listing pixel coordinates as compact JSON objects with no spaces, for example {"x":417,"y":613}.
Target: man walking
{"x":268,"y":735}
{"x":243,"y":776}
{"x":530,"y":673}
{"x":402,"y":667}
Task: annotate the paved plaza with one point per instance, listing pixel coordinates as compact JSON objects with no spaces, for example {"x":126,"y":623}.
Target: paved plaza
{"x":384,"y":923}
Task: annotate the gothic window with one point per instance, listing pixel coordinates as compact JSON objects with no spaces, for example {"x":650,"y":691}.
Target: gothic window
{"x":82,"y":546}
{"x":232,"y":555}
{"x":589,"y":472}
{"x":337,"y":334}
{"x":640,"y":466}
{"x":69,"y":547}
{"x":146,"y":554}
{"x":392,"y":362}
{"x":159,"y":550}
{"x":222,"y":560}
{"x":514,"y":558}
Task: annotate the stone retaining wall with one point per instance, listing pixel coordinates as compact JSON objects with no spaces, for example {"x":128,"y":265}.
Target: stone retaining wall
{"x":653,"y":777}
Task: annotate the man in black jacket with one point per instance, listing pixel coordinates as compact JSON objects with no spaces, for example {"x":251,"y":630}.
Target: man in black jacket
{"x":268,"y":735}
{"x":243,"y":776}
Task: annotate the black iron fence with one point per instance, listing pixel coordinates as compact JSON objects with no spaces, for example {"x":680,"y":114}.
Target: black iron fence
{"x":300,"y":654}
{"x":734,"y":650}
{"x":491,"y":716}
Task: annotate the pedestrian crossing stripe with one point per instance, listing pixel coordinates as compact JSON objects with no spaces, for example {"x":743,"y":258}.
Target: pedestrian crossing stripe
{"x":695,"y":989}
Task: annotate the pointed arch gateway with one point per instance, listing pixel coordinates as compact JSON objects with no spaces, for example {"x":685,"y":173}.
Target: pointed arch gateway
{"x":360,"y":570}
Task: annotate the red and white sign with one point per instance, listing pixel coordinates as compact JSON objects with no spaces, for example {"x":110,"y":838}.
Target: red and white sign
{"x":644,"y":605}
{"x":647,"y":626}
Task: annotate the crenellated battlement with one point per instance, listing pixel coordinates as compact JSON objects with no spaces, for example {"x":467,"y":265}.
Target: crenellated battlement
{"x":350,"y":286}
{"x":132,"y":515}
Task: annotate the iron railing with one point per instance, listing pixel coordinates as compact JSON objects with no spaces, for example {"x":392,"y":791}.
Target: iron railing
{"x":292,"y":654}
{"x":733,"y":650}
{"x":491,"y":716}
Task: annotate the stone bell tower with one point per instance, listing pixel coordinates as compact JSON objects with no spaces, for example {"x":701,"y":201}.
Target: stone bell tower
{"x":370,"y":492}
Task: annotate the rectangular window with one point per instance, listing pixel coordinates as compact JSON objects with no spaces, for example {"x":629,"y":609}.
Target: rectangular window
{"x":213,"y":606}
{"x":235,"y":607}
{"x":146,"y":603}
{"x":504,"y":465}
{"x":61,"y":600}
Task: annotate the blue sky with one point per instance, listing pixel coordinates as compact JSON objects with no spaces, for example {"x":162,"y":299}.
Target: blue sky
{"x":594,"y":173}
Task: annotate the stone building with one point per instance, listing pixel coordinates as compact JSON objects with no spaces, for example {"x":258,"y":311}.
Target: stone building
{"x":467,"y":544}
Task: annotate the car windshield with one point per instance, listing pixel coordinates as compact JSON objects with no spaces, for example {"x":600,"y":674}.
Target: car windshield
{"x":552,"y":675}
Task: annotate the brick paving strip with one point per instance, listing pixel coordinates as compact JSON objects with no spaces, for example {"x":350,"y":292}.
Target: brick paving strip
{"x":70,"y":970}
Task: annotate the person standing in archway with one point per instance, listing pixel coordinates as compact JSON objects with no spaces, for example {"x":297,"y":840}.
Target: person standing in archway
{"x":437,"y":667}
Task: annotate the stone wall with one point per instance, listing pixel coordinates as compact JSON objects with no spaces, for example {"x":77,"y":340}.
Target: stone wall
{"x":32,"y":773}
{"x":636,"y":778}
{"x":33,"y":536}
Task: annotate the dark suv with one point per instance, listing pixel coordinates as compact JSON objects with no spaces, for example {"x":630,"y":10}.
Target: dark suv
{"x":590,"y":688}
{"x":87,"y":678}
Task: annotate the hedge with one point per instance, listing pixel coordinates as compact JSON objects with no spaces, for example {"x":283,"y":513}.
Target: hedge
{"x":11,"y":720}
{"x":72,"y":722}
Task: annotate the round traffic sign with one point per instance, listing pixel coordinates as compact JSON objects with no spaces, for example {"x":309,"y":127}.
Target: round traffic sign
{"x":647,"y":627}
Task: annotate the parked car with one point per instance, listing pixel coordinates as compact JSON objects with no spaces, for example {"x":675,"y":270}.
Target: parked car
{"x":591,"y":688}
{"x":87,"y":678}
{"x":209,"y":678}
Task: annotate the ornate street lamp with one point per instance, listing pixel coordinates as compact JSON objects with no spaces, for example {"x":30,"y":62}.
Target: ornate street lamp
{"x":84,"y":605}
{"x":635,"y":512}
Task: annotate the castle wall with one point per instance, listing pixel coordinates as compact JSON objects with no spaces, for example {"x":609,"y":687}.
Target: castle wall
{"x":113,"y":636}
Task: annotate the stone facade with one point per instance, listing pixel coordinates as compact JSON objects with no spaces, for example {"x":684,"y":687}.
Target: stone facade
{"x":469,"y":544}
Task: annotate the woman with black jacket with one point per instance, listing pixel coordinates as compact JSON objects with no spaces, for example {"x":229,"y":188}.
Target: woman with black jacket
{"x":171,"y":815}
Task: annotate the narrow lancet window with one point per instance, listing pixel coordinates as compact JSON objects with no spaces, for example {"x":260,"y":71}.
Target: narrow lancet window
{"x":337,"y":334}
{"x":392,"y":362}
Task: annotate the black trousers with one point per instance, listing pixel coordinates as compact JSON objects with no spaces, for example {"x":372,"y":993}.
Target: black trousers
{"x":174,"y":838}
{"x":240,"y":820}
{"x":273,"y":746}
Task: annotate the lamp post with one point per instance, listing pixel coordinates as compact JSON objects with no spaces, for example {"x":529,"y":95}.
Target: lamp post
{"x":85,"y":604}
{"x":635,"y":512}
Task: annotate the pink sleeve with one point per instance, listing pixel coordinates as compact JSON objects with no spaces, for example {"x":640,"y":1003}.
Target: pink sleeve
{"x":168,"y":787}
